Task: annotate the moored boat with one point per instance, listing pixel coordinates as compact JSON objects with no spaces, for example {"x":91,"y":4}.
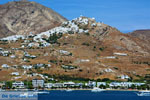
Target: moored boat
{"x":96,"y":89}
{"x":41,"y":92}
{"x":69,"y":90}
{"x":143,"y":93}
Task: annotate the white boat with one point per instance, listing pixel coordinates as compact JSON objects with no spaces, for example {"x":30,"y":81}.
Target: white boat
{"x":69,"y":90}
{"x":143,"y":93}
{"x":96,"y":89}
{"x":41,"y":92}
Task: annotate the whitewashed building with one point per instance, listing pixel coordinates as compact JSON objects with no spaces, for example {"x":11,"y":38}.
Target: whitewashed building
{"x":18,"y":85}
{"x":69,"y":84}
{"x":91,"y":84}
{"x":38,"y":83}
{"x":27,"y":66}
{"x":5,"y":66}
{"x":124,"y":77}
{"x":15,"y":73}
{"x":101,"y":83}
{"x":58,"y":85}
{"x":64,"y":52}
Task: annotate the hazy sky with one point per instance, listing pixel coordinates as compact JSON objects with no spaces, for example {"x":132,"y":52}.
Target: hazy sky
{"x":126,"y":15}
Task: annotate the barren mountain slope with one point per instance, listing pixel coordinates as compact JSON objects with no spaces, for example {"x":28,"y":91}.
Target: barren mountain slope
{"x":24,"y":17}
{"x":142,"y":34}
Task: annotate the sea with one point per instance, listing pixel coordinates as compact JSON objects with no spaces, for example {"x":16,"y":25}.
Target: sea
{"x":88,"y":95}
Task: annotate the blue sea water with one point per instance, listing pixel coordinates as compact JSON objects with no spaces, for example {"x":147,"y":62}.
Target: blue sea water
{"x":88,"y":95}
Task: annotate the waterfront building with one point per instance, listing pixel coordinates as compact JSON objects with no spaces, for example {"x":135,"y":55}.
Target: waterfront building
{"x":19,"y":85}
{"x":69,"y":84}
{"x":38,"y":83}
{"x":48,"y":85}
{"x":101,"y":83}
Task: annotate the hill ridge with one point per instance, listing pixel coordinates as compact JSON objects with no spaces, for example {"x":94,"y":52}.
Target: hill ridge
{"x":24,"y":17}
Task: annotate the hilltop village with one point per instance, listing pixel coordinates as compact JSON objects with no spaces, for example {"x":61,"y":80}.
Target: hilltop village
{"x":78,"y":53}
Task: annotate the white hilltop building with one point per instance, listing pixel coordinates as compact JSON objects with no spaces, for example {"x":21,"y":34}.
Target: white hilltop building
{"x":64,"y":52}
{"x":108,"y":70}
{"x":124,"y":77}
{"x":5,"y":66}
{"x":27,"y":66}
{"x":13,"y":37}
{"x":15,"y":73}
{"x":12,"y":56}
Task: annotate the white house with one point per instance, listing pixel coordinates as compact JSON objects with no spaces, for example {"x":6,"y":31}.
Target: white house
{"x":82,"y":60}
{"x":26,"y":54}
{"x":93,"y":24}
{"x":15,"y":73}
{"x":124,"y":84}
{"x":69,"y":84}
{"x":12,"y":56}
{"x":33,"y":56}
{"x":27,"y":66}
{"x":45,"y":44}
{"x":18,"y":85}
{"x":13,"y":37}
{"x":64,"y":52}
{"x":58,"y":85}
{"x":139,"y":84}
{"x":101,"y":83}
{"x":108,"y":70}
{"x":38,"y":83}
{"x":79,"y":84}
{"x":33,"y":45}
{"x":4,"y":53}
{"x":91,"y":84}
{"x":113,"y":84}
{"x":5,"y":66}
{"x":124,"y":77}
{"x":49,"y":65}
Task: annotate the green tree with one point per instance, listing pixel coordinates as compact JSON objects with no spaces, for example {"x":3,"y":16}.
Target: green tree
{"x":54,"y":37}
{"x":8,"y":84}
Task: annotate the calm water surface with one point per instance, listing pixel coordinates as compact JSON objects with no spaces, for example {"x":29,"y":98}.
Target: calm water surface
{"x":88,"y":95}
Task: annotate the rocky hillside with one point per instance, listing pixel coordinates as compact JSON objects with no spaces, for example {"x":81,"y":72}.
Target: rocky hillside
{"x":24,"y":17}
{"x":142,"y":34}
{"x":80,"y":48}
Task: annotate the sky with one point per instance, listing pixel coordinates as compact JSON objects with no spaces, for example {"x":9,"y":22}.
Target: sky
{"x":125,"y":15}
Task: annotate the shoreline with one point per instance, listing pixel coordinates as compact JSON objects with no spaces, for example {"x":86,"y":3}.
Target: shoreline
{"x":74,"y":90}
{"x":92,"y":89}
